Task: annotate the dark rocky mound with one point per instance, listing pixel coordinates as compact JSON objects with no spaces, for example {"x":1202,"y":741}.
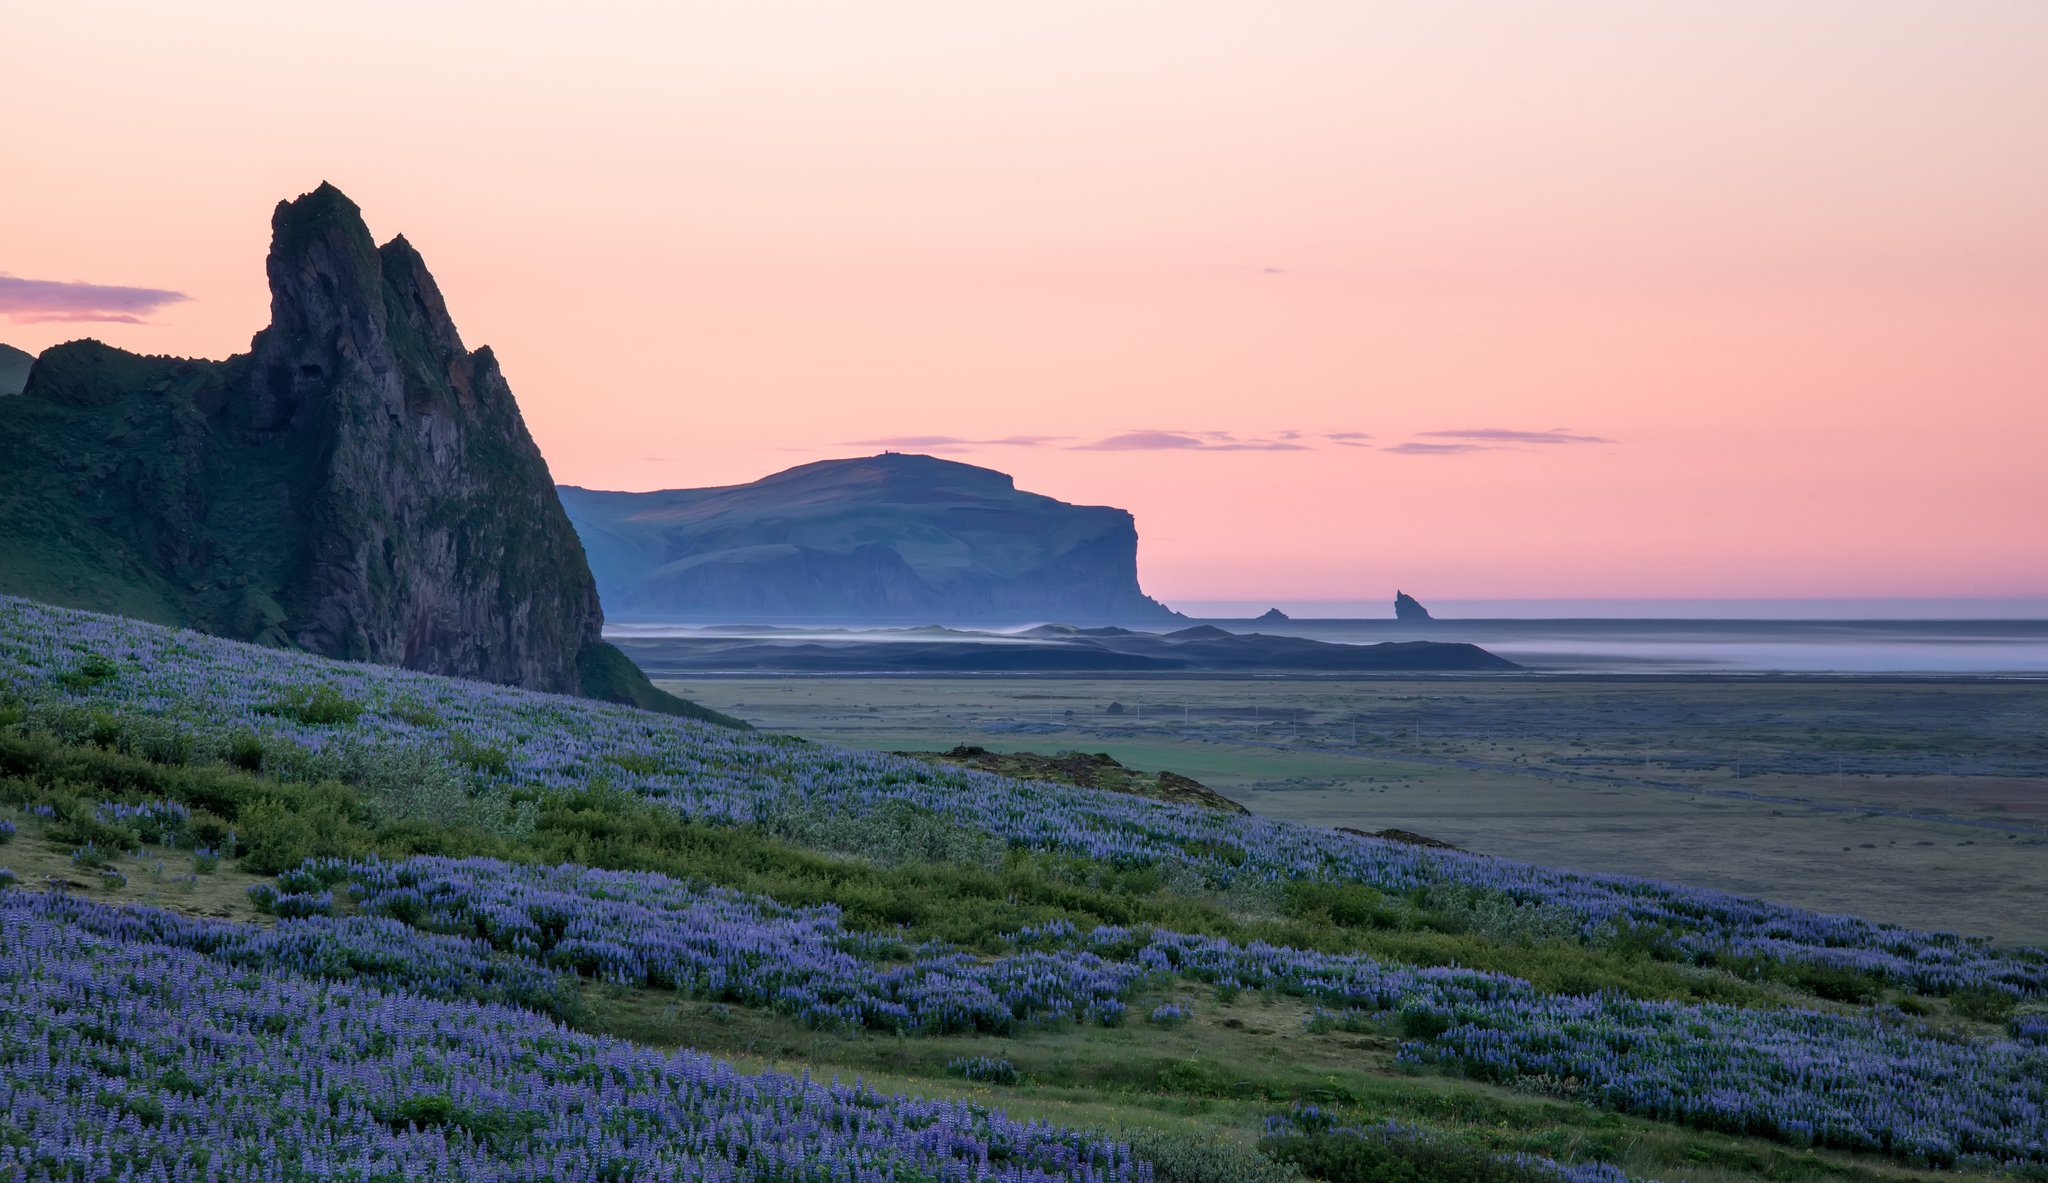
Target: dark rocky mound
{"x":1272,"y":616}
{"x":882,"y":538}
{"x":1408,"y":608}
{"x":1049,"y":649}
{"x":1406,"y":837}
{"x":359,"y":484}
{"x":1098,"y":770}
{"x":14,"y":367}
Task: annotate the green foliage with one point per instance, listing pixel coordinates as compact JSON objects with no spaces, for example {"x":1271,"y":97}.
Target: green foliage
{"x":1348,"y":905}
{"x":91,"y":858}
{"x":317,"y":706}
{"x":1178,"y":1157}
{"x":1984,"y":1004}
{"x":439,"y":1111}
{"x":413,"y":712}
{"x":481,"y":758}
{"x":1393,"y":1154}
{"x":87,"y":675}
{"x":606,"y":674}
{"x":278,"y":833}
{"x":245,"y":751}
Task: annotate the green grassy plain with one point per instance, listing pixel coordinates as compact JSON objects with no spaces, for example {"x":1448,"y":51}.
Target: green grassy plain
{"x":1921,"y":802}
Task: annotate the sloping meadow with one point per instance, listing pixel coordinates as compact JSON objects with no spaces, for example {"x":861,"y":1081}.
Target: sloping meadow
{"x":507,"y":939}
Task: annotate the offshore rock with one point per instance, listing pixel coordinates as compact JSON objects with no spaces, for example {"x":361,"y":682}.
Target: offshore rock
{"x":1408,"y":608}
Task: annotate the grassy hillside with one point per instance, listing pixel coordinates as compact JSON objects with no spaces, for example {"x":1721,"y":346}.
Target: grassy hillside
{"x":490,"y":916}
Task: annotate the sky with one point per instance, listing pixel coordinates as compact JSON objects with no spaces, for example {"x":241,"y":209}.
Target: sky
{"x":1544,"y":298}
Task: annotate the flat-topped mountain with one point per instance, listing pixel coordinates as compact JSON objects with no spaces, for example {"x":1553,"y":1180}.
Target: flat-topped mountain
{"x":359,"y":484}
{"x":889,"y":537}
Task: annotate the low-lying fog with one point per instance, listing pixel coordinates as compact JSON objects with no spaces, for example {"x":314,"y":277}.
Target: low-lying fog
{"x":2018,"y":647}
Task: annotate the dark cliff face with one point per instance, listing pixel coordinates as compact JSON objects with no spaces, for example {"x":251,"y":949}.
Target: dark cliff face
{"x":359,"y":484}
{"x":436,"y":540}
{"x":14,"y":367}
{"x":890,"y":537}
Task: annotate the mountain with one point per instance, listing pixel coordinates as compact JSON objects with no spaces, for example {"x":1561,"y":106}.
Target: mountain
{"x":14,"y":367}
{"x":889,"y":537}
{"x":1410,"y":609}
{"x":359,"y":484}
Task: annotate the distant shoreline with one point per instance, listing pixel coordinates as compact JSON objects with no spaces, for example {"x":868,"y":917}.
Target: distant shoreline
{"x":2005,"y":649}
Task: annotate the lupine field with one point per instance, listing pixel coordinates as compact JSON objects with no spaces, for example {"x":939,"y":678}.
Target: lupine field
{"x":408,"y":1014}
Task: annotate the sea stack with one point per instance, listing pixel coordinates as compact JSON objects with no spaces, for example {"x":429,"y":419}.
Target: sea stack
{"x":1407,"y":608}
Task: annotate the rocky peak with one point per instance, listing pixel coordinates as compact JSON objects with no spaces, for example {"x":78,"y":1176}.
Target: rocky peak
{"x":359,"y":485}
{"x":1408,"y":608}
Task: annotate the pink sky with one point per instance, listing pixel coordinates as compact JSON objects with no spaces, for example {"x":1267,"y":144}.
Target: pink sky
{"x":1791,"y":260}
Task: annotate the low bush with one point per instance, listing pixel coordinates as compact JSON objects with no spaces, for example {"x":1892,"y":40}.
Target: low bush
{"x":316,"y":706}
{"x":1390,"y":1153}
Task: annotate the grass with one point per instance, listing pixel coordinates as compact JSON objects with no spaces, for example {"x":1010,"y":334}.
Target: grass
{"x":1217,"y":1077}
{"x":1543,"y":771}
{"x":158,"y":876}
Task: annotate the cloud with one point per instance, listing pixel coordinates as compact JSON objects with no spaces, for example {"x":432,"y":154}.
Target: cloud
{"x":1349,"y":439}
{"x":1155,"y":440}
{"x":36,"y":301}
{"x":1556,"y":435}
{"x":954,"y":441}
{"x":1415,"y":449}
{"x":1187,"y":441}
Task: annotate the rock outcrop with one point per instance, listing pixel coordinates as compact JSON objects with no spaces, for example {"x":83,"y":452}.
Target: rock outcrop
{"x":359,"y":484}
{"x":895,"y":537}
{"x":1408,"y":608}
{"x":14,"y":367}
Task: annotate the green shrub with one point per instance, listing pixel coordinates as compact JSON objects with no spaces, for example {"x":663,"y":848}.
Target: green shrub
{"x":90,"y":857}
{"x":1191,"y":1158}
{"x":1983,"y":1004}
{"x":88,"y":674}
{"x":1834,"y":983}
{"x":1351,"y":905}
{"x":317,"y":706}
{"x":245,"y":751}
{"x":277,"y":834}
{"x":1394,"y":1154}
{"x":482,"y":758}
{"x":414,"y":712}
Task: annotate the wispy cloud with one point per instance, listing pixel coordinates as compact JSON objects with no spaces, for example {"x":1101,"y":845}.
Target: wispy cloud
{"x":35,"y":301}
{"x":1502,"y":435}
{"x":1187,"y":441}
{"x":1415,"y":449}
{"x":955,"y":441}
{"x":1149,"y":440}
